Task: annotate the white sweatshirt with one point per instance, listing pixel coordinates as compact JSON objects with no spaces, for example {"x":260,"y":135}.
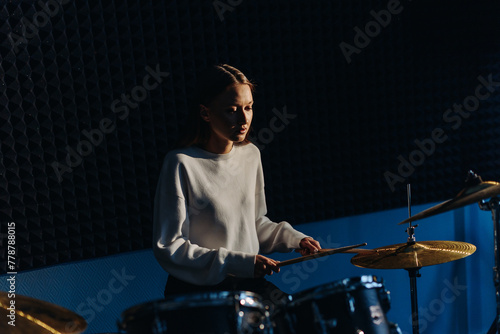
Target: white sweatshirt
{"x":209,"y":215}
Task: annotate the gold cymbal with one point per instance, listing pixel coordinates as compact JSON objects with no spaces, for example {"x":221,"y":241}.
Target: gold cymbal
{"x":468,"y":195}
{"x":38,"y":317}
{"x":413,"y":255}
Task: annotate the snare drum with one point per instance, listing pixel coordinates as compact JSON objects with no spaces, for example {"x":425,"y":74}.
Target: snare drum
{"x":353,"y":305}
{"x":235,"y":312}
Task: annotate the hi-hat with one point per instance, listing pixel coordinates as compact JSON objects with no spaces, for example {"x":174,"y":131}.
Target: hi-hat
{"x":37,"y":317}
{"x":476,"y":191}
{"x":413,"y":255}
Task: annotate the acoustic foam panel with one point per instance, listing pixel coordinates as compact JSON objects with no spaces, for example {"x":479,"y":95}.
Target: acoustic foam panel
{"x":82,"y":139}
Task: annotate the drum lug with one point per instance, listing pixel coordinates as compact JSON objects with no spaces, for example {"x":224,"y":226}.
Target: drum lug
{"x":351,"y":302}
{"x":377,"y":314}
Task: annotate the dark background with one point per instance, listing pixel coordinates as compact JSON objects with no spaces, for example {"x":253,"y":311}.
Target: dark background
{"x":351,"y":120}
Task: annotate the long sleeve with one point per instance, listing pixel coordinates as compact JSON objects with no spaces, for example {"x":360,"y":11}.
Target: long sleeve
{"x":210,"y":215}
{"x":172,"y":247}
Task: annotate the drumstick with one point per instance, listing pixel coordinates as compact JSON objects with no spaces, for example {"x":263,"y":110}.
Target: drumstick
{"x":355,"y":251}
{"x":319,"y":254}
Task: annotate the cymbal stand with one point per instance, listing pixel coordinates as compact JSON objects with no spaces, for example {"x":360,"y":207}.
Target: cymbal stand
{"x":493,"y":205}
{"x":412,"y":272}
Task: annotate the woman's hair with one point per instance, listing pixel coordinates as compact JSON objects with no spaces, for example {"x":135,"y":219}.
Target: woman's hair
{"x":211,"y":83}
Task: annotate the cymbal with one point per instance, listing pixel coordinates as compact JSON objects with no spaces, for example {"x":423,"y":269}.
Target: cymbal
{"x":413,"y":255}
{"x":38,"y":317}
{"x":468,"y":195}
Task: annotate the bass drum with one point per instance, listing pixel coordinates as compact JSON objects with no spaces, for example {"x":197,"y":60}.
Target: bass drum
{"x":235,"y":312}
{"x":352,"y":305}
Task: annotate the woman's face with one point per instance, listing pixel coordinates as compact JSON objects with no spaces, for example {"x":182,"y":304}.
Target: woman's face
{"x":229,"y":115}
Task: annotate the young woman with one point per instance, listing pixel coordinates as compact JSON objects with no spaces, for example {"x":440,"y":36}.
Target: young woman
{"x":210,"y":224}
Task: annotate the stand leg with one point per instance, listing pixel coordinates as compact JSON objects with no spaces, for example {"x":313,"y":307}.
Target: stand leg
{"x":494,"y":206}
{"x":413,"y":273}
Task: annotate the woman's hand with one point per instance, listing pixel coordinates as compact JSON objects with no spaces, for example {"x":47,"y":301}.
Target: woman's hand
{"x":265,"y":266}
{"x":308,"y":246}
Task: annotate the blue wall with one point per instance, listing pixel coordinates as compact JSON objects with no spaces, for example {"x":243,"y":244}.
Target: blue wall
{"x":469,"y":308}
{"x":455,"y":297}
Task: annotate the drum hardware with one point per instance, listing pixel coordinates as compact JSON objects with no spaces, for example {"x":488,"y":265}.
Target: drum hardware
{"x":412,"y":256}
{"x":413,"y":273}
{"x":485,"y":194}
{"x":475,"y":190}
{"x":38,"y":317}
{"x":493,"y":205}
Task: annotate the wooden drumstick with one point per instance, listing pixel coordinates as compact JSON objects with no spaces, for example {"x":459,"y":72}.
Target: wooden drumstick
{"x":323,"y":252}
{"x":354,"y":251}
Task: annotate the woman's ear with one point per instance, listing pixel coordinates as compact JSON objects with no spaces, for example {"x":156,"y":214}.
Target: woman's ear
{"x":204,"y":113}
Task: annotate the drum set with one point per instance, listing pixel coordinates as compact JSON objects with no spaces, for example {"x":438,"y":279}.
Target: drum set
{"x":356,"y":305}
